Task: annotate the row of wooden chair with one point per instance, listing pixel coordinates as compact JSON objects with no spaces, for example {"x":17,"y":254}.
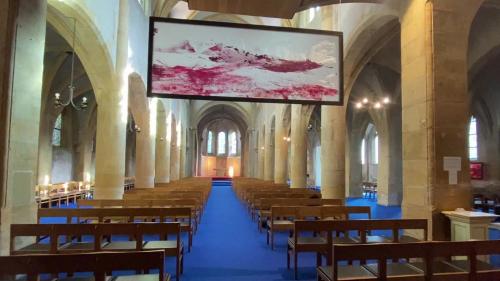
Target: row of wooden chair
{"x":413,"y":261}
{"x":282,"y":217}
{"x":116,"y":215}
{"x":327,"y":233}
{"x":194,"y":205}
{"x":99,"y":264}
{"x":102,"y":238}
{"x":263,"y":209}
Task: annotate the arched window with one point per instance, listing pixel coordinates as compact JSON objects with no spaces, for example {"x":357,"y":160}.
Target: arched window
{"x":363,"y":152}
{"x":473,"y":139}
{"x":221,"y":143}
{"x":56,"y":133}
{"x":232,"y":143}
{"x":375,"y":150}
{"x":210,"y":140}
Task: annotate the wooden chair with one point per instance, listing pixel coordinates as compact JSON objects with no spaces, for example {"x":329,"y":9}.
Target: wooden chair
{"x":320,"y":242}
{"x":97,"y":263}
{"x":281,"y":220}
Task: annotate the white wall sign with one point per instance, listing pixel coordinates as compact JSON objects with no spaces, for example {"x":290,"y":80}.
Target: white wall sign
{"x":453,"y":165}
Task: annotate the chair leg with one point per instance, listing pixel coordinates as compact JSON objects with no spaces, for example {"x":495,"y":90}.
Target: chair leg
{"x":318,"y":259}
{"x":295,"y":263}
{"x":177,"y":268}
{"x":288,"y":257}
{"x":272,"y":240}
{"x":190,"y":241}
{"x":267,"y":236}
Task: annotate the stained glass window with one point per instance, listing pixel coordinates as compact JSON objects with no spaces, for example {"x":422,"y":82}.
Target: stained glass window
{"x":232,"y":143}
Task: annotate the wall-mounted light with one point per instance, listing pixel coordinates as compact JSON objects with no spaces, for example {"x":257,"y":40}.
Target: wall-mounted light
{"x":287,"y":139}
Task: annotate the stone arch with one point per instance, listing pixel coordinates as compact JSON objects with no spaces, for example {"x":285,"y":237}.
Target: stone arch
{"x":368,"y":39}
{"x":89,"y":45}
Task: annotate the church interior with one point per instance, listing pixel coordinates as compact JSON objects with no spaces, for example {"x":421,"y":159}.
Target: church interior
{"x":102,"y":179}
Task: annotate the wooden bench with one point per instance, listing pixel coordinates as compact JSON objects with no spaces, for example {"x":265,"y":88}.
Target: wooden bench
{"x":113,"y":215}
{"x":329,"y":231}
{"x":282,"y":217}
{"x":98,"y":263}
{"x":413,"y":261}
{"x":102,"y":239}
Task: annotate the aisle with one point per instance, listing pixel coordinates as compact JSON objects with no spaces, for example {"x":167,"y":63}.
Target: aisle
{"x":228,"y":246}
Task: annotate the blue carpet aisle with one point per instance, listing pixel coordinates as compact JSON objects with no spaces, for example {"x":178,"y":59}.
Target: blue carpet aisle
{"x":228,"y":245}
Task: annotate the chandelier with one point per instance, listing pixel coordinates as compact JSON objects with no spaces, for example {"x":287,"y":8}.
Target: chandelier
{"x":366,"y":103}
{"x":71,"y":88}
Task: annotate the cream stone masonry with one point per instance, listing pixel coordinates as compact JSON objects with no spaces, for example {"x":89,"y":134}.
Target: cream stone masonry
{"x":434,"y":40}
{"x":112,"y":120}
{"x":280,"y":150}
{"x":18,"y":204}
{"x":162,"y":146}
{"x":298,"y":171}
{"x":269,"y":155}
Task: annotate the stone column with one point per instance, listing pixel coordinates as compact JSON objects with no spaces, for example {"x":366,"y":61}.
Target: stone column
{"x":333,"y":134}
{"x":145,"y":148}
{"x":268,"y":156}
{"x":353,"y":164}
{"x":161,"y":174}
{"x":22,"y":49}
{"x":112,"y":120}
{"x":280,"y":152}
{"x":175,"y":152}
{"x":434,"y":43}
{"x":168,"y":147}
{"x":298,"y":163}
{"x":261,"y":153}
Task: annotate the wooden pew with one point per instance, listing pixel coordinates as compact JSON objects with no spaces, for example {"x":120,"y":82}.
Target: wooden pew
{"x":101,"y":215}
{"x":322,"y":244}
{"x":428,"y":261}
{"x":97,"y":263}
{"x":73,"y":244}
{"x":282,"y":217}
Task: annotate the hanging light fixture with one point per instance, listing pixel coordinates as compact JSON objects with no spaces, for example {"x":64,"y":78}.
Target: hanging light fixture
{"x":365,"y":103}
{"x":71,"y":88}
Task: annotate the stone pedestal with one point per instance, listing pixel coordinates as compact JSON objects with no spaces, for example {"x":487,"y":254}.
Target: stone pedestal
{"x":466,"y":225}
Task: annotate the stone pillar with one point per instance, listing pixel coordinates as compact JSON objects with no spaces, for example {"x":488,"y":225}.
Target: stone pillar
{"x":298,"y":163}
{"x":353,"y":164}
{"x":333,"y":134}
{"x":390,"y":178}
{"x":268,"y":156}
{"x":168,"y":147}
{"x":112,"y":120}
{"x":434,"y":43}
{"x":22,"y":49}
{"x":161,"y":163}
{"x":145,"y":148}
{"x":175,"y":152}
{"x":280,"y":152}
{"x":261,"y":153}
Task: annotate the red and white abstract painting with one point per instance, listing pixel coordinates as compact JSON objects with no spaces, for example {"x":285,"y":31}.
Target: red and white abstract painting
{"x":210,"y":61}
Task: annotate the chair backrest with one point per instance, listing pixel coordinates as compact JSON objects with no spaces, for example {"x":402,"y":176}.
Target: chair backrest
{"x":102,"y":213}
{"x":365,"y":226}
{"x":344,"y":212}
{"x":427,"y":251}
{"x":98,"y":263}
{"x":283,"y":211}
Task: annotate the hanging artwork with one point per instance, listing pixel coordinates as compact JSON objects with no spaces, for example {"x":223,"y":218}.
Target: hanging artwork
{"x":222,"y":61}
